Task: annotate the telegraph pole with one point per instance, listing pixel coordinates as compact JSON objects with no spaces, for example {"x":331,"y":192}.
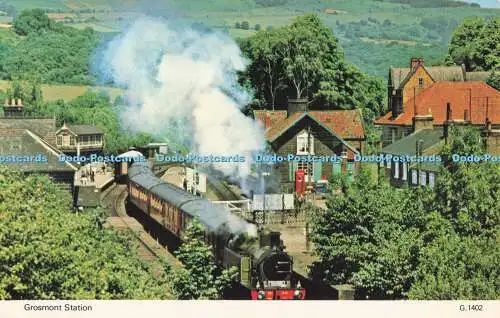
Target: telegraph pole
{"x":419,"y":153}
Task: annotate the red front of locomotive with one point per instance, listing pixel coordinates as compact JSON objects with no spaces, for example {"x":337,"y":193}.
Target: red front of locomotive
{"x":279,"y":294}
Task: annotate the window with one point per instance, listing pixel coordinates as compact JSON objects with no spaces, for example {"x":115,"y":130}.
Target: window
{"x":414,"y":177}
{"x":305,"y":143}
{"x":420,"y":82}
{"x":337,"y":167}
{"x":405,"y":171}
{"x":431,"y":179}
{"x":393,"y":134}
{"x":423,"y":178}
{"x":396,"y":170}
{"x":71,"y":141}
{"x":308,"y":170}
{"x":59,"y":140}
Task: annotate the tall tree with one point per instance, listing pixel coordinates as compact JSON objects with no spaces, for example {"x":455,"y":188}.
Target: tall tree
{"x":416,"y":243}
{"x":48,"y":252}
{"x":494,"y":79}
{"x":369,"y":236}
{"x":32,"y":21}
{"x":263,"y":49}
{"x":304,"y":59}
{"x":468,"y":193}
{"x":200,"y":278}
{"x":476,"y":44}
{"x":309,"y":46}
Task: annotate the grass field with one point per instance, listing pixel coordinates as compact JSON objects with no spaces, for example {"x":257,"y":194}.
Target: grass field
{"x":358,"y":24}
{"x":68,"y":92}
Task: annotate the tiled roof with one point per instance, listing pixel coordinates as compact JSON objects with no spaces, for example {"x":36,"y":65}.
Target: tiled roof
{"x":346,"y":124}
{"x":462,"y":96}
{"x":438,"y":73}
{"x":269,"y":117}
{"x":280,"y":127}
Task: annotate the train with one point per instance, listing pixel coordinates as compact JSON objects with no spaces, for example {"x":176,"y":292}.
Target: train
{"x":265,"y":268}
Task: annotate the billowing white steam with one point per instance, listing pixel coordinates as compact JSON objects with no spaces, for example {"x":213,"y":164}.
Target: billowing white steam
{"x":182,"y":85}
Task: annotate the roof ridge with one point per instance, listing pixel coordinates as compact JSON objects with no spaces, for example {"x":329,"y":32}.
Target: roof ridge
{"x":48,"y":147}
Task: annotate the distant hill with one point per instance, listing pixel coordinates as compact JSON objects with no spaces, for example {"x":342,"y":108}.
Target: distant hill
{"x":373,"y":33}
{"x":435,"y":3}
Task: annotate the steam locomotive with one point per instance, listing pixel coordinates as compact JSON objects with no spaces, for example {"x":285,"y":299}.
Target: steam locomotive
{"x":265,"y":269}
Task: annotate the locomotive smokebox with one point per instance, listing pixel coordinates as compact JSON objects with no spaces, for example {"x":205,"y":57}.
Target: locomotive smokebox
{"x":274,"y":239}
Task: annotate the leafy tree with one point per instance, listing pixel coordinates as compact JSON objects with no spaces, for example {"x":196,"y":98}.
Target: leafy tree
{"x":200,"y":278}
{"x":95,"y":108}
{"x":416,"y":243}
{"x":270,"y":3}
{"x":308,"y":48}
{"x":267,"y":70}
{"x":494,"y":79}
{"x":475,"y":43}
{"x":49,"y":252}
{"x":29,"y":92}
{"x":456,"y":267}
{"x":257,"y":27}
{"x":245,"y":25}
{"x":468,"y":194}
{"x":369,"y":237}
{"x":32,"y":21}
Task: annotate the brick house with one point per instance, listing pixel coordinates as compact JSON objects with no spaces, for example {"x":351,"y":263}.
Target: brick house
{"x":319,"y":133}
{"x":404,"y":84}
{"x":426,"y":118}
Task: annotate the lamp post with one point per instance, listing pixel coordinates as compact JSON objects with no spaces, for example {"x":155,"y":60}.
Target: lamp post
{"x":419,"y":146}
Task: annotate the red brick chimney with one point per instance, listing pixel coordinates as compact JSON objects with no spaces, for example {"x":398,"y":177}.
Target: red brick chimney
{"x":416,"y":62}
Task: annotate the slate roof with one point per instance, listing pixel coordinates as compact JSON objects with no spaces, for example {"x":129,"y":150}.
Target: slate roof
{"x":346,"y":124}
{"x":407,"y":145}
{"x":438,"y":73}
{"x":84,"y":129}
{"x":471,"y":96}
{"x":22,"y":142}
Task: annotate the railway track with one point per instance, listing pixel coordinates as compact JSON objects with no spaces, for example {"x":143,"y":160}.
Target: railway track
{"x":148,"y":248}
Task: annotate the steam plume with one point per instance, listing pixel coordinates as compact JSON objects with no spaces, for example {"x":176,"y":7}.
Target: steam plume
{"x":182,"y":85}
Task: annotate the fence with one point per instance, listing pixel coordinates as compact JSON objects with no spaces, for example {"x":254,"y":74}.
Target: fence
{"x":275,"y":217}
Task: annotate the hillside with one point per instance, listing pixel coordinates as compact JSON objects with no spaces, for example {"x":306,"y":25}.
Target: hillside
{"x":67,"y":92}
{"x":373,"y":33}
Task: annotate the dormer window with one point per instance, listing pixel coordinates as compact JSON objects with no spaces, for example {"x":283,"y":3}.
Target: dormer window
{"x":305,"y":144}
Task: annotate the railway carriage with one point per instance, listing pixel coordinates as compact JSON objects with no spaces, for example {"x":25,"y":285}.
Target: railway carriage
{"x":265,"y":268}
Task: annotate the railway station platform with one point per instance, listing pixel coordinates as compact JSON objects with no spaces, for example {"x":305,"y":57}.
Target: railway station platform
{"x":90,"y":182}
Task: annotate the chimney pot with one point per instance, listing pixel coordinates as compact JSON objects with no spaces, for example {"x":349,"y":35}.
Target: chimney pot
{"x":416,"y":62}
{"x":297,"y":105}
